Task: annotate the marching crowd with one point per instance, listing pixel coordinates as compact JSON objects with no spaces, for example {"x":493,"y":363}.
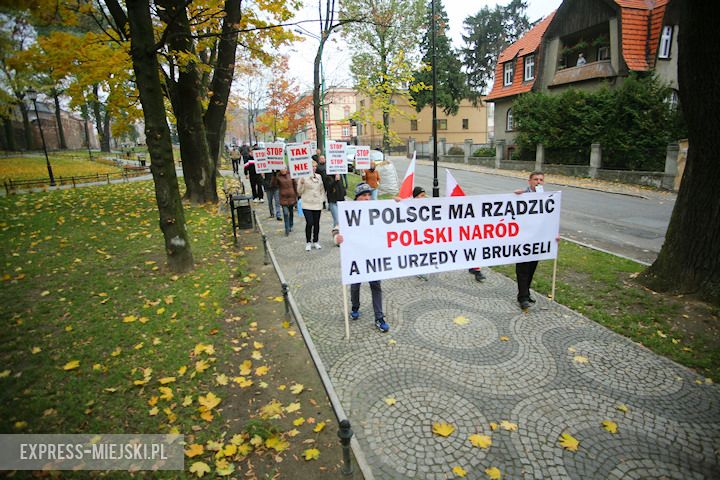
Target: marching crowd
{"x":310,"y":195}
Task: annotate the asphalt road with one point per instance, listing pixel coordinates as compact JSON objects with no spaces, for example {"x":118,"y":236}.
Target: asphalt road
{"x":627,"y":225}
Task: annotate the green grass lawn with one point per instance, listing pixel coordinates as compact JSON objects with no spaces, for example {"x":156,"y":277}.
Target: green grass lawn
{"x":97,"y":336}
{"x":93,"y":325}
{"x":603,"y":287}
{"x":64,"y":164}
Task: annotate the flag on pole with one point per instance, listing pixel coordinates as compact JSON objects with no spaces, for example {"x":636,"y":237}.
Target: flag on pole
{"x":406,"y":188}
{"x":452,"y":189}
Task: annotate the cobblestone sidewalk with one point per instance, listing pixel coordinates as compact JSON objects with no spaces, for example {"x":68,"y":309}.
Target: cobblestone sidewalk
{"x":550,"y":371}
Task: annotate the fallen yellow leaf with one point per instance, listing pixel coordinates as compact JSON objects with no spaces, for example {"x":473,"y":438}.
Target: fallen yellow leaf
{"x":194,"y":450}
{"x":261,"y":371}
{"x":166,"y":380}
{"x":569,"y":442}
{"x":459,"y":471}
{"x":504,"y":338}
{"x":390,"y":400}
{"x":311,"y":454}
{"x":224,"y":468}
{"x":199,"y":468}
{"x":443,"y":429}
{"x":129,"y":319}
{"x":221,"y":379}
{"x":293,"y":407}
{"x":319,"y":427}
{"x":299,"y":421}
{"x":246,"y":367}
{"x":580,"y":359}
{"x":166,"y":393}
{"x":493,"y":473}
{"x":461,"y":320}
{"x":622,"y":407}
{"x":610,"y":426}
{"x":297,"y":388}
{"x":509,"y":426}
{"x":257,"y":345}
{"x":482,"y":441}
{"x":276,"y":443}
{"x":71,"y":365}
{"x":209,"y":401}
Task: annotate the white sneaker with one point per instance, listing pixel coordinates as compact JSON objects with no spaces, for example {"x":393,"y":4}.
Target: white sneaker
{"x":317,"y":246}
{"x":308,"y":247}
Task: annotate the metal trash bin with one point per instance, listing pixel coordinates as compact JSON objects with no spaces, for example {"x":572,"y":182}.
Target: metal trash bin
{"x":241,"y":213}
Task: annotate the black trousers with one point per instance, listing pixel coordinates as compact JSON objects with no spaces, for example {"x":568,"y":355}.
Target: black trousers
{"x":256,"y":186}
{"x":524,"y":273}
{"x":312,"y":225}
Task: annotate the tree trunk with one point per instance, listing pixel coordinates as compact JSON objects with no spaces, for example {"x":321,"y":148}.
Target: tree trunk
{"x":162,"y":165}
{"x":102,"y":124}
{"x":26,"y":126}
{"x":689,"y":261}
{"x":222,"y":78}
{"x":9,"y":134}
{"x":317,"y":98}
{"x":198,"y":169}
{"x":386,"y":131}
{"x":58,"y":118}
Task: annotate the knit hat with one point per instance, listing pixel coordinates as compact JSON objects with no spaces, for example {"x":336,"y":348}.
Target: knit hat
{"x":417,"y":191}
{"x":361,"y":189}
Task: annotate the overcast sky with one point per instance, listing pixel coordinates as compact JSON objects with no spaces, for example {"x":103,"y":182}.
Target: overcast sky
{"x":337,"y":55}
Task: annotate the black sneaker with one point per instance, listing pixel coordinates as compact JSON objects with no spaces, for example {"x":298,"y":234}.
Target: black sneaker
{"x":524,"y":304}
{"x":479,"y":276}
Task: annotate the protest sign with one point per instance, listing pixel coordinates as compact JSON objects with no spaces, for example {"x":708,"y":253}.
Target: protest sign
{"x":299,"y":161}
{"x":275,"y":155}
{"x":388,"y":239}
{"x":335,"y":159}
{"x":362,"y":158}
{"x":313,"y":146}
{"x":261,"y":163}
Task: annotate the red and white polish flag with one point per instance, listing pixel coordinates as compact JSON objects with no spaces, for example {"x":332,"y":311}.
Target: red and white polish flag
{"x":408,"y":183}
{"x":452,"y":189}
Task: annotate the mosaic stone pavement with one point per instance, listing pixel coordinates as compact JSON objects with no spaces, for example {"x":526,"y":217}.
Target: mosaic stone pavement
{"x":471,"y":375}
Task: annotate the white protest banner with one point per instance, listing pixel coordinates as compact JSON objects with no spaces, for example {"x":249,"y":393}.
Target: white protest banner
{"x":275,"y":155}
{"x":362,"y":158}
{"x":261,"y":163}
{"x":313,"y":146}
{"x":389,"y":239}
{"x":299,"y":161}
{"x":336,"y":158}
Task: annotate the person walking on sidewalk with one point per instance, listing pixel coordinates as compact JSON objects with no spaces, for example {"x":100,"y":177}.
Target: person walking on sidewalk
{"x":372,"y":178}
{"x":255,"y":178}
{"x":336,"y":192}
{"x":525,"y":271}
{"x":312,"y":191}
{"x":287,"y":191}
{"x":273,"y":195}
{"x":363,"y":192}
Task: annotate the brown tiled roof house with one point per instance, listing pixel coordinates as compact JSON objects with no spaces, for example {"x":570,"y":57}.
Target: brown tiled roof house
{"x":613,"y":37}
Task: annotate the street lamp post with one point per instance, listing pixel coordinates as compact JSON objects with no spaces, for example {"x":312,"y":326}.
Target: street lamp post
{"x":436,"y":187}
{"x":32,"y":95}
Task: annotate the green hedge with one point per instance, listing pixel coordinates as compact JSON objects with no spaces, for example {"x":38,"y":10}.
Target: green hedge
{"x":633,"y":123}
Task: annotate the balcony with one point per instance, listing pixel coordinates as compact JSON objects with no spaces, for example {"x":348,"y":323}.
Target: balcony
{"x":589,"y":71}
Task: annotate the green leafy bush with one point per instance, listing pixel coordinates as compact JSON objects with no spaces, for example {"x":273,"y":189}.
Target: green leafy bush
{"x":455,"y":150}
{"x":633,"y":123}
{"x":484,"y":152}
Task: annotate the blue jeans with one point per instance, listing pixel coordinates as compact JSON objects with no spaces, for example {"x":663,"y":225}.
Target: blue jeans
{"x":332,"y":206}
{"x":375,"y":290}
{"x":273,"y":196}
{"x":287,"y":211}
{"x":373,"y":194}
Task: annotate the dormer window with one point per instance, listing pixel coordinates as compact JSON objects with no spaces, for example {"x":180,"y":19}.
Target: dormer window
{"x":665,"y":42}
{"x":529,"y":68}
{"x":508,"y":72}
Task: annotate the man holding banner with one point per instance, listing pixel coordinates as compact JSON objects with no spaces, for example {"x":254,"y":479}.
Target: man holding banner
{"x":363,"y":192}
{"x":524,"y":271}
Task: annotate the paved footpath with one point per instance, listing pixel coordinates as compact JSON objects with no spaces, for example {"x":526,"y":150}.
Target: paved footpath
{"x":528,"y":369}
